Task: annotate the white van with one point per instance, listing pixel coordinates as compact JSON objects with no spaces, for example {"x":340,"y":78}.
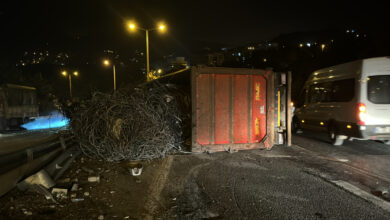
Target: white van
{"x":349,"y":101}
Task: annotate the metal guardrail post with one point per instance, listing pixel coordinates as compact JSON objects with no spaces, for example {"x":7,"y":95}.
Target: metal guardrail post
{"x":17,"y":165}
{"x":62,"y":141}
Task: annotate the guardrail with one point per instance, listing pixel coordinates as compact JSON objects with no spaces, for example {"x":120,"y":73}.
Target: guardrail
{"x":19,"y":164}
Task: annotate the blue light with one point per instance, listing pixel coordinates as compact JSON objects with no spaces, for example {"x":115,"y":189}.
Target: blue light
{"x":239,"y":54}
{"x":54,"y":120}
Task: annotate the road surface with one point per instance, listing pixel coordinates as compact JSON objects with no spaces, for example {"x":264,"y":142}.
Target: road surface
{"x":261,"y":185}
{"x":310,"y":180}
{"x":370,"y":156}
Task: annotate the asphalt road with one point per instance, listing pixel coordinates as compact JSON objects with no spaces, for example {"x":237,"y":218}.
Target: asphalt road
{"x":370,"y":156}
{"x":259,"y":184}
{"x":310,"y":180}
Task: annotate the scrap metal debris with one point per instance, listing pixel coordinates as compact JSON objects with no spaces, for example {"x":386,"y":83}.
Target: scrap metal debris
{"x":39,"y":178}
{"x":143,"y":123}
{"x":94,"y":179}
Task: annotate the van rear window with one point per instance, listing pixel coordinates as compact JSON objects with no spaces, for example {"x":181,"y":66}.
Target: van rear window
{"x":378,"y":89}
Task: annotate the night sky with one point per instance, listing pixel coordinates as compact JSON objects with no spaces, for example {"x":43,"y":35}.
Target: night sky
{"x":99,"y":23}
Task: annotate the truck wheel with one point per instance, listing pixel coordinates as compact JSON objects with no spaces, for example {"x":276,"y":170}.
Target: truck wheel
{"x":334,"y":136}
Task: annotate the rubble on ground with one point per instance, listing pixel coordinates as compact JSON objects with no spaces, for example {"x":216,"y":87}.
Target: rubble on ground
{"x":117,"y":194}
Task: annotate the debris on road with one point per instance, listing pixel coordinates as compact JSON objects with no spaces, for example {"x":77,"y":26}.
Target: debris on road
{"x":381,"y":192}
{"x":60,"y":191}
{"x":143,"y":123}
{"x":136,"y":171}
{"x":26,"y":212}
{"x":135,"y":167}
{"x":75,"y":187}
{"x":42,"y":190}
{"x":39,"y":178}
{"x":93,"y":179}
{"x":77,"y":199}
{"x":117,"y":194}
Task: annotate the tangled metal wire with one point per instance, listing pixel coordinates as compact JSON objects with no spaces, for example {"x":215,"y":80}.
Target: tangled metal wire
{"x":131,"y":124}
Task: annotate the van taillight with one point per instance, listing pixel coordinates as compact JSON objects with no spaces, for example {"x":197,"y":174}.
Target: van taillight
{"x":361,"y":110}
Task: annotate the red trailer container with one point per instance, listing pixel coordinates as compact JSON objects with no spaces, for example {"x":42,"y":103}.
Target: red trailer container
{"x":232,"y":109}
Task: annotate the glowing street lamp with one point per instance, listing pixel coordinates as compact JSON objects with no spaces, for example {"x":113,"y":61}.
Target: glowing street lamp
{"x":65,"y":74}
{"x":108,"y":63}
{"x":160,"y":27}
{"x":322,"y":47}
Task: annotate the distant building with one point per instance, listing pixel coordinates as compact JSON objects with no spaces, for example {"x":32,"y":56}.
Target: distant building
{"x":216,"y":59}
{"x":179,"y":63}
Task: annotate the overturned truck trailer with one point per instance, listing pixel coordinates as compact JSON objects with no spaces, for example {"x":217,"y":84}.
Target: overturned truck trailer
{"x":236,"y":108}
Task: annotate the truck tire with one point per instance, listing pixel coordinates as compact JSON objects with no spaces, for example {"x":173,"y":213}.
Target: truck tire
{"x":334,"y":135}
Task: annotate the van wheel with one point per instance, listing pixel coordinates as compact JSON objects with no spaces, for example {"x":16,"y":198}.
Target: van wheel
{"x":296,"y":127}
{"x":335,"y":138}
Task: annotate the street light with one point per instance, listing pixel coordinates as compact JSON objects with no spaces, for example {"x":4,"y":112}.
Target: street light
{"x":160,"y":27}
{"x":65,"y":74}
{"x":107,"y":63}
{"x":322,"y":47}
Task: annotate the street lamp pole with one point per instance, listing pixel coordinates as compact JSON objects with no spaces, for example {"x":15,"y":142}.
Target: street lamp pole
{"x":70,"y":85}
{"x":107,"y":62}
{"x":147,"y":51}
{"x":113,"y":69}
{"x":161,"y":28}
{"x":69,"y":75}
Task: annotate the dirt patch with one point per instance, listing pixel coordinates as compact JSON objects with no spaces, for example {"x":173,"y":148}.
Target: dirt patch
{"x":117,"y":195}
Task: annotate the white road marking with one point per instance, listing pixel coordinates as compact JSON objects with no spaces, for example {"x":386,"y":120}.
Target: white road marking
{"x":342,"y":160}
